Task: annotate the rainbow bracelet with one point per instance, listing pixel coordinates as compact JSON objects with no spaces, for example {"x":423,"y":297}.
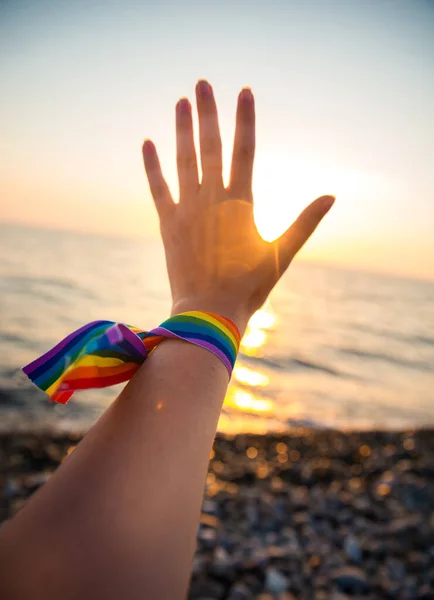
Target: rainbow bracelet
{"x":104,"y":353}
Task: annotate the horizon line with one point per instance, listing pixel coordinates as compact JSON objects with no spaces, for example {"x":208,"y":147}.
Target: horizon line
{"x":151,"y":239}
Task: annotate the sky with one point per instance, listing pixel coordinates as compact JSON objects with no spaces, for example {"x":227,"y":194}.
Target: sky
{"x":344,"y":97}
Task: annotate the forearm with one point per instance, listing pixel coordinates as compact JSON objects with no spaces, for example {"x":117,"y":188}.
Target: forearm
{"x":119,"y":517}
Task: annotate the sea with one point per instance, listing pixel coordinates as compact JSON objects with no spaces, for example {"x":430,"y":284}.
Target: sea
{"x":332,"y":348}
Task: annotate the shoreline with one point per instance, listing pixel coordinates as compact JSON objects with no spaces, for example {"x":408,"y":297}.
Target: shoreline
{"x":308,"y":514}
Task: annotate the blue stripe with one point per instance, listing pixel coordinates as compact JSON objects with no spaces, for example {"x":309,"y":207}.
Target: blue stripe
{"x":57,"y":364}
{"x":196,"y":324}
{"x":81,"y":339}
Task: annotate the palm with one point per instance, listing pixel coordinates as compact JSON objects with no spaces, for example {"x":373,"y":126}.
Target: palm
{"x":210,"y":236}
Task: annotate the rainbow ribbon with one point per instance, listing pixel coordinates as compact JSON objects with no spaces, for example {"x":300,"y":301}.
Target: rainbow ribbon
{"x":104,"y":353}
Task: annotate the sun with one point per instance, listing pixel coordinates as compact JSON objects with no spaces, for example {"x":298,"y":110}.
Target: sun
{"x":283,"y":186}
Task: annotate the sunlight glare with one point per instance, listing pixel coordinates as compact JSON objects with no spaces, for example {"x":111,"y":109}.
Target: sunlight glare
{"x":245,"y":401}
{"x":262,"y":319}
{"x":250,"y":377}
{"x":253,"y":340}
{"x":256,"y":333}
{"x":283,"y":186}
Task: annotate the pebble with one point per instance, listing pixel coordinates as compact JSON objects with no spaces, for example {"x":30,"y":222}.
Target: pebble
{"x":341,"y":523}
{"x":239,"y":592}
{"x":352,"y":549}
{"x":405,"y":525}
{"x":222,"y":565}
{"x":208,"y":537}
{"x":275,"y":582}
{"x":352,"y":580}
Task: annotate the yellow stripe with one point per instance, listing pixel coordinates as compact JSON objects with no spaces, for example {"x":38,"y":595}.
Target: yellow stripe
{"x":50,"y":391}
{"x":90,"y":360}
{"x":136,"y":329}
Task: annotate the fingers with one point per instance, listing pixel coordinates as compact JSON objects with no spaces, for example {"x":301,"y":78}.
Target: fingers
{"x":296,"y":236}
{"x":159,"y":188}
{"x":185,"y":152}
{"x":244,"y":147}
{"x":209,"y":134}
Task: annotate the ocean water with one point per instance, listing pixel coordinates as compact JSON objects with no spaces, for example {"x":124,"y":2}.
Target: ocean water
{"x":331,"y":348}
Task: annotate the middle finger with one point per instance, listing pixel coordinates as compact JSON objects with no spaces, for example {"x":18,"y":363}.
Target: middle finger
{"x":209,"y":133}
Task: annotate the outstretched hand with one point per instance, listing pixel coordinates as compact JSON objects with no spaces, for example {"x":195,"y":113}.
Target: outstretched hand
{"x":216,"y":259}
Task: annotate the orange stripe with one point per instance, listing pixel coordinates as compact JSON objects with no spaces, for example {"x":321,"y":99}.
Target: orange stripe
{"x":93,"y":371}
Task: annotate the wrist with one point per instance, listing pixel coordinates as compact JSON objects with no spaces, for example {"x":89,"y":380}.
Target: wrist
{"x":236,"y":314}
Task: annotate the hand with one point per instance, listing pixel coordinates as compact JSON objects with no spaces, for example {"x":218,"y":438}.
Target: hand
{"x":216,"y":259}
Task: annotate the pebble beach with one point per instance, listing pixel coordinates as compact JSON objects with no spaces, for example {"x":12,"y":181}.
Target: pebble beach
{"x":314,"y":514}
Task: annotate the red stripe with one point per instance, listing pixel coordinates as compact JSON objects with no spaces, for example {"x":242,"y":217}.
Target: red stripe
{"x":62,"y":397}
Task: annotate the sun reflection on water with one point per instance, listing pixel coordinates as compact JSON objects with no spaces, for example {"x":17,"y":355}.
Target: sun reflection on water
{"x":257,"y":331}
{"x":250,"y":376}
{"x":246,"y":401}
{"x":264,"y":318}
{"x":252,"y":341}
{"x":241,"y":398}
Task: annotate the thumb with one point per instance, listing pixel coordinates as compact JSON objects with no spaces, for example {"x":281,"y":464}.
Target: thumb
{"x":300,"y":231}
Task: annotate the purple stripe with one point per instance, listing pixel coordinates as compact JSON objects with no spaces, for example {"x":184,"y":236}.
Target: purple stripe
{"x":42,"y":359}
{"x":133,"y":339}
{"x":203,"y":344}
{"x":114,"y":334}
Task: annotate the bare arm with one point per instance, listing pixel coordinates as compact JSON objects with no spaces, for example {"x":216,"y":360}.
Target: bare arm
{"x":118,"y":519}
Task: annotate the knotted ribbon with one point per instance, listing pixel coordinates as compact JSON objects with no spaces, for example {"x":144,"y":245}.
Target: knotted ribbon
{"x":104,"y":353}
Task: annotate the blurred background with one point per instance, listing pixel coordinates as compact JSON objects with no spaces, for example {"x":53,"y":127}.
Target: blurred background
{"x":344,"y":95}
{"x":324,"y":505}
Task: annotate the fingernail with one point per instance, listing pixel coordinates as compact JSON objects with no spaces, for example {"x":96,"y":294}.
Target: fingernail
{"x":148,"y":146}
{"x":246,"y":95}
{"x":203,"y":88}
{"x":183,"y":105}
{"x":327,"y":203}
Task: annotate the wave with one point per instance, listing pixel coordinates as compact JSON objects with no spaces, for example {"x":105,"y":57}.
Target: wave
{"x":24,"y":342}
{"x":29,"y":285}
{"x":290,"y":363}
{"x":392,"y":335}
{"x":26,"y":280}
{"x":306,"y":424}
{"x":310,"y":365}
{"x":424,"y":340}
{"x":389,"y":358}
